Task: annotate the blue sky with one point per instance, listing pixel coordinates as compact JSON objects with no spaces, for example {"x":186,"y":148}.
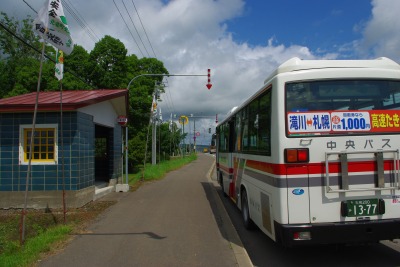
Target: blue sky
{"x":241,"y":41}
{"x":322,"y":27}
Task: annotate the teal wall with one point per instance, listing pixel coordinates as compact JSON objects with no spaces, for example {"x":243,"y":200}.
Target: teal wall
{"x":78,"y":138}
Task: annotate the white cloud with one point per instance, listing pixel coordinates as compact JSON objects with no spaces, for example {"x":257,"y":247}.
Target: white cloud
{"x":381,"y":32}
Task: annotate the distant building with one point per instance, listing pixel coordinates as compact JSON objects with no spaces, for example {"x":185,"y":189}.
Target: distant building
{"x":89,"y":136}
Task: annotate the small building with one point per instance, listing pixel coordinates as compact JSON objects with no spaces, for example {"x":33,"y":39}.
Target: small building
{"x":73,"y":149}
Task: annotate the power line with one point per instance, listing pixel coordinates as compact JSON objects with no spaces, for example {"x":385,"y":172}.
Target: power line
{"x":81,"y":21}
{"x":168,"y":96}
{"x":135,"y":28}
{"x":144,"y":29}
{"x":128,"y":28}
{"x":167,"y":101}
{"x":30,"y":6}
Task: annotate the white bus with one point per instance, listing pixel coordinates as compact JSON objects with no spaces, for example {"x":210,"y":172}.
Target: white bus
{"x":313,"y":156}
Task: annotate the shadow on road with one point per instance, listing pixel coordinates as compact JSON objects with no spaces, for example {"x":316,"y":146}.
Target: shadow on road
{"x":149,"y":234}
{"x":221,"y":217}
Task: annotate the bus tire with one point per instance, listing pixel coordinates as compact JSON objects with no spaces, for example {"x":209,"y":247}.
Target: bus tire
{"x":247,"y":221}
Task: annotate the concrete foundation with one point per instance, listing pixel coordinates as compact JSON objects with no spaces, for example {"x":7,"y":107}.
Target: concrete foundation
{"x":47,"y":199}
{"x":122,"y":188}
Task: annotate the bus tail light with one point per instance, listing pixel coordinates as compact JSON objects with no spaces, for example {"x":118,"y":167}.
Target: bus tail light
{"x":301,"y":236}
{"x":296,"y":155}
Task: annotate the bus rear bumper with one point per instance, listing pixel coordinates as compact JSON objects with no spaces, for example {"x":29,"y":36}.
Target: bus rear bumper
{"x":337,"y":233}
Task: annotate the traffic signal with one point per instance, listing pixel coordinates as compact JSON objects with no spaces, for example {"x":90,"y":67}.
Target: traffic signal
{"x":209,"y":130}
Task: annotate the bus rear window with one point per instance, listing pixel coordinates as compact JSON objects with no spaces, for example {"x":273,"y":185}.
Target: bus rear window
{"x":342,"y":107}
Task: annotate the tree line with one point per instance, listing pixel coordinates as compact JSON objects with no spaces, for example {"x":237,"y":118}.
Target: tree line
{"x":107,"y":66}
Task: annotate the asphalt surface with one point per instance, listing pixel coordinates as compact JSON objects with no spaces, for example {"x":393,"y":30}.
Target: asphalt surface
{"x":177,"y":221}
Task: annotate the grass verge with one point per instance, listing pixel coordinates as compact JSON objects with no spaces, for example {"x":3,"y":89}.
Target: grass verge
{"x":16,"y":255}
{"x":154,"y":172}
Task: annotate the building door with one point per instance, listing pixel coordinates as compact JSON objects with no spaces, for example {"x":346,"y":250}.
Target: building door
{"x":103,"y":154}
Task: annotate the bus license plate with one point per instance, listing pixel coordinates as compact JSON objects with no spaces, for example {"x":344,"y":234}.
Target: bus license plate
{"x":362,"y":207}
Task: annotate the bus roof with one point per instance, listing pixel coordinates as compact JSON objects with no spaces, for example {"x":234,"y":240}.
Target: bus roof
{"x":296,"y":64}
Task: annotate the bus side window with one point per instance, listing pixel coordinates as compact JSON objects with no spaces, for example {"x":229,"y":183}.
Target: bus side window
{"x":238,"y":132}
{"x":221,"y":137}
{"x":232,"y":138}
{"x":245,"y":133}
{"x":253,"y":125}
{"x":264,"y":142}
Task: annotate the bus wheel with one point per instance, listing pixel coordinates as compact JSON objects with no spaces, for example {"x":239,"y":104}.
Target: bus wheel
{"x":248,"y":223}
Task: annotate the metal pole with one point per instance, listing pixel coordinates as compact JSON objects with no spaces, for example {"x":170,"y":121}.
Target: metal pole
{"x":154,"y":143}
{"x":62,"y":153}
{"x":184,"y":143}
{"x":194,"y":135}
{"x":28,"y":172}
{"x":190,"y":139}
{"x":126,"y":153}
{"x":159,"y":143}
{"x":122,"y":158}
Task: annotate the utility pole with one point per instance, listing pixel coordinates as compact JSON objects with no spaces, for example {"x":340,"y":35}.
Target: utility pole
{"x":154,"y":130}
{"x":194,"y":135}
{"x":154,"y":143}
{"x":183,"y":120}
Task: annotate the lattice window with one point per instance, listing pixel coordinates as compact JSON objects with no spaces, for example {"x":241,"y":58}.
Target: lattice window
{"x":44,"y":145}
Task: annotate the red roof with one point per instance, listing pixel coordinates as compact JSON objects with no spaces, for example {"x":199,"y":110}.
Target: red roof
{"x":71,"y":100}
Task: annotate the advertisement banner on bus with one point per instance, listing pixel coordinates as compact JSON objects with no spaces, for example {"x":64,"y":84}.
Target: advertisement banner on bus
{"x":344,"y":121}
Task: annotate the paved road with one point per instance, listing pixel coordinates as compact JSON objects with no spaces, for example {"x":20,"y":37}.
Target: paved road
{"x":178,"y":221}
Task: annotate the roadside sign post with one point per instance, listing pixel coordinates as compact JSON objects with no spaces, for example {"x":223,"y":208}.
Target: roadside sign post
{"x":123,"y":121}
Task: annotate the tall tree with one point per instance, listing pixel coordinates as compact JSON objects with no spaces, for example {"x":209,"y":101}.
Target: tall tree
{"x":107,"y":62}
{"x":11,"y":53}
{"x":169,"y":139}
{"x":20,"y":57}
{"x":77,"y":68}
{"x":10,"y":44}
{"x":141,"y":89}
{"x":140,"y":99}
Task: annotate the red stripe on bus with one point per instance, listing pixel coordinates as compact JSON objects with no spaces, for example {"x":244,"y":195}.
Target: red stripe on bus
{"x":226,"y":169}
{"x":317,"y":168}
